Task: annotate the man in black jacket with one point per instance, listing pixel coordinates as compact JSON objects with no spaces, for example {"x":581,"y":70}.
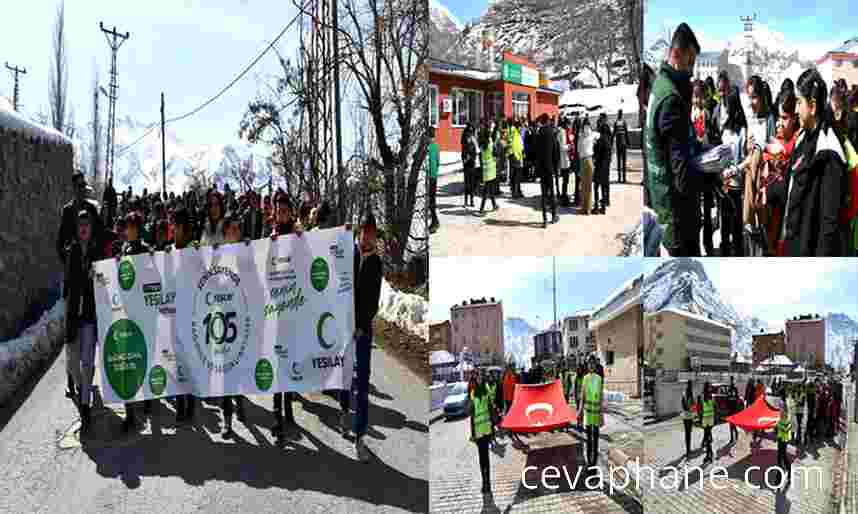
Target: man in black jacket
{"x":671,"y":165}
{"x":621,"y":137}
{"x":546,"y":155}
{"x":367,"y":280}
{"x":69,"y":232}
{"x":80,"y":313}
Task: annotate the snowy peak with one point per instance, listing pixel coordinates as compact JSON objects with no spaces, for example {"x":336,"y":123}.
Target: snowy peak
{"x":518,"y":340}
{"x":443,"y":19}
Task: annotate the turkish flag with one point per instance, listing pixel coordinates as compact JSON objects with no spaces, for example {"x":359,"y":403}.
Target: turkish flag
{"x":538,"y":408}
{"x":759,"y":416}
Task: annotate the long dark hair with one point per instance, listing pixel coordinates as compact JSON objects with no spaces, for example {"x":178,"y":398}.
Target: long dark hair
{"x":735,"y":113}
{"x":758,"y":88}
{"x":812,"y":87}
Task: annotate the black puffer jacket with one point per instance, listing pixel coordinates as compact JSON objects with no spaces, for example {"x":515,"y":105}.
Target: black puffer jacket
{"x":813,"y":194}
{"x":80,"y":294}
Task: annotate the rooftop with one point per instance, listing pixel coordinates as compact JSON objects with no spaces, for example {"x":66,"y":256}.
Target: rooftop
{"x":691,"y":315}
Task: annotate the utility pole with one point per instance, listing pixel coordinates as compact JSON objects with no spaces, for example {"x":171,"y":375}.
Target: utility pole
{"x":114,"y":40}
{"x":163,"y":153}
{"x":855,"y":378}
{"x":16,"y":71}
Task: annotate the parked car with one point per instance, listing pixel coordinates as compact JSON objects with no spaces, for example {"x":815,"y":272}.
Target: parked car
{"x":457,"y":402}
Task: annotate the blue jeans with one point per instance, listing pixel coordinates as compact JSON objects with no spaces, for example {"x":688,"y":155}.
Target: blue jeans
{"x":363,"y":351}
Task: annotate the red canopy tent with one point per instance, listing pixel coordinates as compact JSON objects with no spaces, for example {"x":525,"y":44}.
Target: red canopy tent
{"x":759,"y":416}
{"x":538,"y":408}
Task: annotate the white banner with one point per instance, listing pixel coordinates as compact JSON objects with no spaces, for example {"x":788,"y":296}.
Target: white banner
{"x":268,"y":317}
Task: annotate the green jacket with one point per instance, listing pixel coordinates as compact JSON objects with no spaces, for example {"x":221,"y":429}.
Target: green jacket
{"x":434,"y":159}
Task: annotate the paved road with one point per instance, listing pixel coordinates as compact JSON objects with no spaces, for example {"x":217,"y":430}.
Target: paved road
{"x":810,"y":491}
{"x":516,"y":227}
{"x":165,"y":470}
{"x":455,"y":475}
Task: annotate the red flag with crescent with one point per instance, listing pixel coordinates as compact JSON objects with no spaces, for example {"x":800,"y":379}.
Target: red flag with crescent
{"x":538,"y":408}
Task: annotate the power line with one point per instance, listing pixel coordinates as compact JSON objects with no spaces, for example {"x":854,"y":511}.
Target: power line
{"x":222,"y":91}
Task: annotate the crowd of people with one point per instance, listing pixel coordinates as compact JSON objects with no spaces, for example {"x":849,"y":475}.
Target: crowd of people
{"x":790,"y":185}
{"x":148,"y":223}
{"x":554,"y":151}
{"x":492,"y":394}
{"x":813,"y":404}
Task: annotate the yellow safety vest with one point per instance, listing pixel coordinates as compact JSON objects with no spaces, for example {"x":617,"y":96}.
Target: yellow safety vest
{"x":784,"y":427}
{"x":592,"y":399}
{"x":708,"y":413}
{"x":482,"y":418}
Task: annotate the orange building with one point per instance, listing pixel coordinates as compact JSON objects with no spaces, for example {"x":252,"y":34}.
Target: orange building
{"x":460,"y":95}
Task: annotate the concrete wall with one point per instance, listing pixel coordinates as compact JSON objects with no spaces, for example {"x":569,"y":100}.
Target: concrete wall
{"x":622,"y":335}
{"x":35,"y":181}
{"x":668,"y":395}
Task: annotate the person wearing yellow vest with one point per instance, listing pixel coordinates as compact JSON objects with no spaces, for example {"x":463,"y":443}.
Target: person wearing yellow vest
{"x":492,"y":387}
{"x":688,"y":417}
{"x":593,"y":389}
{"x":784,"y":433}
{"x":515,"y":155}
{"x":481,"y":428}
{"x":489,"y":166}
{"x":707,"y":420}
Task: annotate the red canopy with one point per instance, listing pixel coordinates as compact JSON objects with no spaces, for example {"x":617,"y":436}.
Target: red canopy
{"x":538,"y":408}
{"x":759,"y":416}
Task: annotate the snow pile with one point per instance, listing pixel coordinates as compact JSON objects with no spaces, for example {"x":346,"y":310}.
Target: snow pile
{"x":611,"y":99}
{"x":19,"y":357}
{"x":11,"y":120}
{"x":408,"y":311}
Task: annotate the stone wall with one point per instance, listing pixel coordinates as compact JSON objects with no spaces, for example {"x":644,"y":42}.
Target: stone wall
{"x":35,"y":181}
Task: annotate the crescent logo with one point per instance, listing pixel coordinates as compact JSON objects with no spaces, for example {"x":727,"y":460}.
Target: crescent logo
{"x":547,"y":408}
{"x":115,"y":300}
{"x":320,"y":331}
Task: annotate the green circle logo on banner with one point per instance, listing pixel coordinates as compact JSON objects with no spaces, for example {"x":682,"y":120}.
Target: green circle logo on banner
{"x":326,"y":329}
{"x":319,"y":274}
{"x":125,"y":358}
{"x":126,"y":274}
{"x":264,"y":375}
{"x":157,"y":380}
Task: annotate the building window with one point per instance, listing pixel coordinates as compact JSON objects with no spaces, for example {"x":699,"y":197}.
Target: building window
{"x":495,"y":106}
{"x":467,"y":107}
{"x":609,"y":358}
{"x":521,"y":106}
{"x":574,"y":324}
{"x":575,"y":341}
{"x":433,"y":106}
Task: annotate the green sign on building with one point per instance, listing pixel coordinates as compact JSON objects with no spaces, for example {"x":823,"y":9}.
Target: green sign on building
{"x":518,"y":74}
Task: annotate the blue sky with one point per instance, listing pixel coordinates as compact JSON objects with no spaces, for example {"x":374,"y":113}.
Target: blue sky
{"x":776,"y":289}
{"x":188,"y":49}
{"x":813,"y":28}
{"x":524,"y":283}
{"x":464,"y":10}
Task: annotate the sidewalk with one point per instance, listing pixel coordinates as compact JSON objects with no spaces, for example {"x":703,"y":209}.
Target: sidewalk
{"x":849,"y":503}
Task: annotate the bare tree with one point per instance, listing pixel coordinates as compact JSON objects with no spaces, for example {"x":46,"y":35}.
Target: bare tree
{"x":58,"y":88}
{"x":384,"y":46}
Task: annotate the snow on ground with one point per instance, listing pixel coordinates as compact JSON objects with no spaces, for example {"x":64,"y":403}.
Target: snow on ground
{"x":11,"y":120}
{"x":20,"y":356}
{"x":611,"y":99}
{"x":408,"y":311}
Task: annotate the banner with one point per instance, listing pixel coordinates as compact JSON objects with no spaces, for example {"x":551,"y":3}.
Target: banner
{"x":267,"y":317}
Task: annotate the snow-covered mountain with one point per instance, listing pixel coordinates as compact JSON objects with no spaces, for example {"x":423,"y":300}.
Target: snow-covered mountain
{"x":140,"y":166}
{"x":443,"y":19}
{"x":683,"y":284}
{"x":518,"y":340}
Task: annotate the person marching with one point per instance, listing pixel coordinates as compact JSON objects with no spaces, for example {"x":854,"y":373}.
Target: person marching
{"x":593,"y":389}
{"x":508,"y":388}
{"x":489,"y":167}
{"x":801,"y":407}
{"x":810,"y":400}
{"x":733,"y":403}
{"x":81,"y":312}
{"x":134,"y":246}
{"x":481,"y":427}
{"x":183,"y":232}
{"x":491,"y":385}
{"x":579,"y":382}
{"x":284,"y":225}
{"x":688,"y":417}
{"x":784,"y":433}
{"x":232,"y":234}
{"x":367,"y":279}
{"x":707,"y":420}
